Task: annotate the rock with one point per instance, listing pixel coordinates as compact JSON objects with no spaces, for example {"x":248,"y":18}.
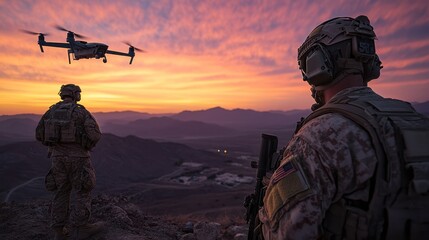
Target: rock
{"x":152,"y":224}
{"x":188,"y":236}
{"x":132,"y":210}
{"x":240,"y":236}
{"x":121,"y":216}
{"x":188,"y":228}
{"x":207,"y":231}
{"x":123,"y":221}
{"x":234,"y":230}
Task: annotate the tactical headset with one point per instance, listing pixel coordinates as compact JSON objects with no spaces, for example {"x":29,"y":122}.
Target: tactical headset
{"x":337,"y":48}
{"x":70,"y":90}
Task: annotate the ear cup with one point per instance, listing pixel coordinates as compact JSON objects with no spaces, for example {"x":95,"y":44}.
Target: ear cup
{"x":77,"y":96}
{"x":318,"y":67}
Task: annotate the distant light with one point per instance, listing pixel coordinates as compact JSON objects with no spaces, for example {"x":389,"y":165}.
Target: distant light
{"x":218,"y":150}
{"x":225,"y":151}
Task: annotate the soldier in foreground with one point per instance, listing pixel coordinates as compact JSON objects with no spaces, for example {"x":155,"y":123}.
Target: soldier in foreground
{"x":358,"y":166}
{"x":70,"y":131}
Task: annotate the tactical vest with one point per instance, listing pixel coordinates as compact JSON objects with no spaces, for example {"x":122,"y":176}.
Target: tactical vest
{"x":59,"y":125}
{"x":396,"y":208}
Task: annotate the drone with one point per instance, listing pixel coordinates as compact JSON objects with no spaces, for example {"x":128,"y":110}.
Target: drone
{"x":81,"y":49}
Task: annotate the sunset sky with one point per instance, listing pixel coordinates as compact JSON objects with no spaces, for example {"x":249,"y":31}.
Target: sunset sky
{"x":200,"y":53}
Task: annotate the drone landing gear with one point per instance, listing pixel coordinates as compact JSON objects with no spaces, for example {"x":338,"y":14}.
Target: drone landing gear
{"x":69,"y":52}
{"x":105,"y":59}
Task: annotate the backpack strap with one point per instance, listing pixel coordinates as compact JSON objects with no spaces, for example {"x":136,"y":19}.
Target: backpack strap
{"x":360,"y":117}
{"x":398,"y":204}
{"x":72,"y":108}
{"x":369,"y":124}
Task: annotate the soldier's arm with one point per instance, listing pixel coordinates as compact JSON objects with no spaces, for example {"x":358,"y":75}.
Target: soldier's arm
{"x":40,"y":129}
{"x":333,"y":157}
{"x":91,"y":128}
{"x":299,"y":193}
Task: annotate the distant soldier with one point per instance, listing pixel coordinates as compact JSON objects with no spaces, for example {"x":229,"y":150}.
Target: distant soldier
{"x":70,"y":131}
{"x":358,"y":166}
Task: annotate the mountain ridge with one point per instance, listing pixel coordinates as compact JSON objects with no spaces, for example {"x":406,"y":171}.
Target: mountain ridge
{"x":168,"y":128}
{"x":216,"y":121}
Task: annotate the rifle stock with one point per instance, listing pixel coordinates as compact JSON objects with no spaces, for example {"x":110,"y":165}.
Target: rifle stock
{"x":254,"y":201}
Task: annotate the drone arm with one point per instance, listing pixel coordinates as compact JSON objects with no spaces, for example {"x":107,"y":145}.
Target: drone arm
{"x":118,"y":53}
{"x":122,"y":54}
{"x":54,"y":44}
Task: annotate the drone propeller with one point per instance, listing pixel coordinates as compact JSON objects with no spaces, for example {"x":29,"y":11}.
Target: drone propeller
{"x":65,"y":30}
{"x":34,"y":33}
{"x":61,"y":28}
{"x":137,"y":49}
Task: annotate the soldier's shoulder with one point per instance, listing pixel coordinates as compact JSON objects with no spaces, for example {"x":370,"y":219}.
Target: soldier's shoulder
{"x":329,"y":122}
{"x":55,"y":105}
{"x":331,"y":129}
{"x":85,"y":112}
{"x":80,"y":107}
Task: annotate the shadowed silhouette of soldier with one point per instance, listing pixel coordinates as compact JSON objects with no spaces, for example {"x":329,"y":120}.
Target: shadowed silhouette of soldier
{"x":70,"y":132}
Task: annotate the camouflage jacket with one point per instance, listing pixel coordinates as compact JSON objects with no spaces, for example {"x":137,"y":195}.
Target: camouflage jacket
{"x":82,"y":117}
{"x":330,"y":158}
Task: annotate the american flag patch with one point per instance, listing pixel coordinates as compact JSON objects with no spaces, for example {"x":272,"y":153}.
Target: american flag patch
{"x":282,"y":172}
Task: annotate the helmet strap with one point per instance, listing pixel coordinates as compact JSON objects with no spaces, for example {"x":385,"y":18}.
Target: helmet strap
{"x":318,"y":97}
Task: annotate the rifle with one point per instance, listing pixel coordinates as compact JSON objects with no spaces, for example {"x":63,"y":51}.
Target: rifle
{"x":269,"y":159}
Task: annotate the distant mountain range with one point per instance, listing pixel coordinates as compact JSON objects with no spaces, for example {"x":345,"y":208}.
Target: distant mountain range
{"x":17,"y":129}
{"x":422,"y":107}
{"x":167,"y":128}
{"x":243,"y":119}
{"x":122,"y":117}
{"x":213,"y":122}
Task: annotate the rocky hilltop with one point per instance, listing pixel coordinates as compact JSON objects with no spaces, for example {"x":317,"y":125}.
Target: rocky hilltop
{"x":145,"y":190}
{"x":124,"y":220}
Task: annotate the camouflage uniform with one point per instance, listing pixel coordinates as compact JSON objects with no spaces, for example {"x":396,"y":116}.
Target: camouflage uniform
{"x":72,"y":172}
{"x":329,"y":159}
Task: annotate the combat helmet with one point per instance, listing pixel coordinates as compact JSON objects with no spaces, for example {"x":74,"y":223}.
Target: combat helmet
{"x":337,"y":48}
{"x":70,"y":90}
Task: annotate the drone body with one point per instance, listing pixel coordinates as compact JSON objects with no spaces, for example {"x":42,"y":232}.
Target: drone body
{"x":81,"y":49}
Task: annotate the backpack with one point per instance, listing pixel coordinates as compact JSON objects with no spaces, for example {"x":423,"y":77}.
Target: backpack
{"x":396,"y":208}
{"x":59,"y":126}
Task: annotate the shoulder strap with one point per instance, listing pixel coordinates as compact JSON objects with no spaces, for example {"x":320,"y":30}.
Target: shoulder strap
{"x":357,"y":115}
{"x":411,"y":135}
{"x":53,"y":108}
{"x":369,"y":124}
{"x":71,"y":110}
